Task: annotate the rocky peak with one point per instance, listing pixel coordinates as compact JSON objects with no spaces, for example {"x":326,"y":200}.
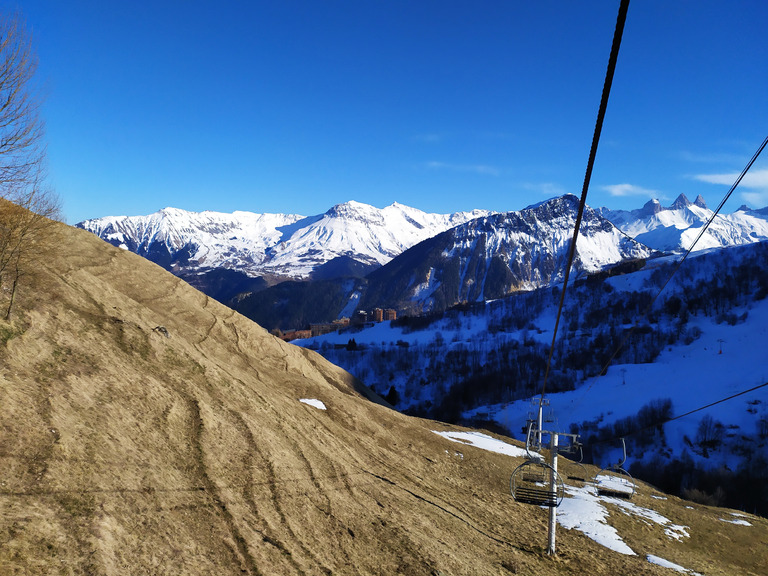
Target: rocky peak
{"x":650,"y":208}
{"x":681,"y":202}
{"x":356,"y":211}
{"x":699,"y":202}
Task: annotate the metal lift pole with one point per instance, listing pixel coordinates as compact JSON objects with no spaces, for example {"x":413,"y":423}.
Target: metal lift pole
{"x":540,"y":417}
{"x":553,"y":485}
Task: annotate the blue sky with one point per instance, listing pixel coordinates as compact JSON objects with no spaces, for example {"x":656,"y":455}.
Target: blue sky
{"x":294,"y":106}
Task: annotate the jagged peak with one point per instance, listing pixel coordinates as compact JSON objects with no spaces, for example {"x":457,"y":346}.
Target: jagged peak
{"x":171,"y":211}
{"x":700,"y":202}
{"x":681,"y":202}
{"x":651,"y":207}
{"x":350,"y":208}
{"x":570,"y":199}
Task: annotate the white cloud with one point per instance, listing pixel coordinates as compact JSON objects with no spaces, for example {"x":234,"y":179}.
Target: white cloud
{"x":756,"y":179}
{"x":753,"y":188}
{"x":629,"y":190}
{"x":476,"y":168}
{"x":756,"y":199}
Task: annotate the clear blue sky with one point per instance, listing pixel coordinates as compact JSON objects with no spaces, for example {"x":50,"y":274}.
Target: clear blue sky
{"x":444,"y":105}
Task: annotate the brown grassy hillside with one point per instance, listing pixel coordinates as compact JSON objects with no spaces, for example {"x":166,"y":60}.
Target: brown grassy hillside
{"x":145,"y":429}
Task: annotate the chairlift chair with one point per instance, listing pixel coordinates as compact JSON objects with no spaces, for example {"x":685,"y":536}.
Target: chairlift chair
{"x":614,"y":481}
{"x":534,"y":481}
{"x":581,"y":475}
{"x":546,"y":490}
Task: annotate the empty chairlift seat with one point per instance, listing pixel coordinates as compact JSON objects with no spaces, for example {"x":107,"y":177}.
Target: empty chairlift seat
{"x":537,"y":483}
{"x":616,"y":482}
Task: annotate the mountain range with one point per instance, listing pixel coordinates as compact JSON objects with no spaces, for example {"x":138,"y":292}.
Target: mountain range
{"x":493,"y":256}
{"x":275,"y":245}
{"x":675,"y":228}
{"x":361,"y":257}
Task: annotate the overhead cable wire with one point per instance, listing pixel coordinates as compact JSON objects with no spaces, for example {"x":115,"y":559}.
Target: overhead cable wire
{"x":618,"y":32}
{"x":677,"y":266}
{"x":688,"y":252}
{"x":667,"y":420}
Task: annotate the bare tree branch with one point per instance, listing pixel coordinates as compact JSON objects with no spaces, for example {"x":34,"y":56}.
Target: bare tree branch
{"x":27,"y":206}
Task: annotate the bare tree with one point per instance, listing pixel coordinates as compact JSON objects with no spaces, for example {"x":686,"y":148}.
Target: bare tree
{"x":26,"y":204}
{"x":27,"y":237}
{"x":22,"y":152}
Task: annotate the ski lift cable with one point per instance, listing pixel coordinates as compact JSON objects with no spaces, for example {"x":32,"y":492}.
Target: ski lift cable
{"x":662,"y":422}
{"x":619,"y":30}
{"x":677,"y":266}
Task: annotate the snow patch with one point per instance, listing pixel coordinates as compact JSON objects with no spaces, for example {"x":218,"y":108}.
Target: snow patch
{"x":484,"y":442}
{"x":351,"y":305}
{"x":667,"y":564}
{"x":313,"y":402}
{"x":737,"y":521}
{"x":585,"y":513}
{"x":673,"y":531}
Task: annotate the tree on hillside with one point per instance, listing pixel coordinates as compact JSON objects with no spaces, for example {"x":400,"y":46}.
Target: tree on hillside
{"x":26,"y":204}
{"x":27,"y":238}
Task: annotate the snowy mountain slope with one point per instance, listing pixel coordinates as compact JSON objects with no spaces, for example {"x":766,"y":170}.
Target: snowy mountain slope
{"x":675,"y":228}
{"x":177,"y":238}
{"x":725,"y":360}
{"x":287,"y":245}
{"x":359,"y":231}
{"x":490,"y":257}
{"x":354,"y":238}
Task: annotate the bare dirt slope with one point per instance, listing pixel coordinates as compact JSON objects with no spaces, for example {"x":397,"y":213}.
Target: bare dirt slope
{"x":145,"y":429}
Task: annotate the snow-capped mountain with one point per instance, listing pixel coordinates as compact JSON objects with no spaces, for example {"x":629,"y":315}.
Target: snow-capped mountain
{"x":177,"y":239}
{"x":355,"y":238}
{"x":358,"y":231}
{"x":676,"y":227}
{"x":286,"y":245}
{"x":490,"y":257}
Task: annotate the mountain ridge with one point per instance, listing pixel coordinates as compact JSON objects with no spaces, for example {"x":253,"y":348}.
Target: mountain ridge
{"x":674,"y":228}
{"x":493,"y":256}
{"x":453,"y":258}
{"x":292,"y":246}
{"x":281,"y":245}
{"x":483,"y":259}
